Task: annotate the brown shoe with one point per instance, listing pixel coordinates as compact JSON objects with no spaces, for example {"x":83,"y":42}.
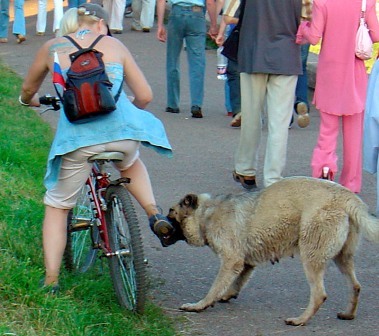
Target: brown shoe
{"x":20,"y":38}
{"x":248,"y":182}
{"x":196,"y":112}
{"x":236,"y":122}
{"x":303,"y":115}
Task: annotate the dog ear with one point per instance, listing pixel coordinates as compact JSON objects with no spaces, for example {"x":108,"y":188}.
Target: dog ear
{"x":191,"y":200}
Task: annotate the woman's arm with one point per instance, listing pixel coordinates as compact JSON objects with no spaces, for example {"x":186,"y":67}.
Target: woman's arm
{"x":35,"y":76}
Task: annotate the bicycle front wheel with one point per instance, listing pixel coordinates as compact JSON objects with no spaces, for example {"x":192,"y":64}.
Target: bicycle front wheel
{"x":127,"y":265}
{"x":82,"y":231}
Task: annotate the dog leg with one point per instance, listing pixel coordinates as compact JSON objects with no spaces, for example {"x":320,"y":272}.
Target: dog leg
{"x":226,"y":276}
{"x":315,"y":276}
{"x":345,"y":264}
{"x":238,"y":284}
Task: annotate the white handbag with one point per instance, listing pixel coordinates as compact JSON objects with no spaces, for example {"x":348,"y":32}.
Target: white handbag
{"x":363,"y":42}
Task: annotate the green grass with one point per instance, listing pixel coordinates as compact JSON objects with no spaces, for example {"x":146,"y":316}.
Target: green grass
{"x":87,"y":304}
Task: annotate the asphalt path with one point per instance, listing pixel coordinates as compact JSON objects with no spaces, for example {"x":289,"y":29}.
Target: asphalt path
{"x":203,"y":162}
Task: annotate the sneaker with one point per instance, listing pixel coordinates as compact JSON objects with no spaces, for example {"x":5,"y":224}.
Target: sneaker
{"x":196,"y":112}
{"x":161,"y":227}
{"x":172,"y":110}
{"x":303,"y":115}
{"x":3,"y":40}
{"x":128,"y":12}
{"x":136,"y":27}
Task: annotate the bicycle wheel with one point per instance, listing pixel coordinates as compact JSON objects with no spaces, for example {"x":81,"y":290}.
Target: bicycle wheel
{"x":127,"y":266}
{"x":82,"y":231}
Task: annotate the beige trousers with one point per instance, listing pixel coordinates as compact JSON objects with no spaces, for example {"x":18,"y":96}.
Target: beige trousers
{"x":277,"y":94}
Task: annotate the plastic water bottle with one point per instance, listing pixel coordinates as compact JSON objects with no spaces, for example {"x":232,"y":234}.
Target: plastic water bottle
{"x":222,"y":62}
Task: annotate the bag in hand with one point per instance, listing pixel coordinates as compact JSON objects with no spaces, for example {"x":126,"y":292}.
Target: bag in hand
{"x":231,"y":45}
{"x":363,"y":42}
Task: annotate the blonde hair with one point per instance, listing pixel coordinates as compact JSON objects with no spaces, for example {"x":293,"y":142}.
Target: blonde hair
{"x":73,"y":18}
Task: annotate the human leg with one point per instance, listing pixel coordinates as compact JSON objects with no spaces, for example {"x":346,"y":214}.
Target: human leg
{"x":280,"y":100}
{"x":235,"y":86}
{"x":58,"y":14}
{"x":147,"y":14}
{"x":253,"y":88}
{"x":41,"y":17}
{"x":137,"y":9}
{"x":324,"y":154}
{"x":4,"y":19}
{"x":351,"y":174}
{"x":175,"y":34}
{"x":195,"y":36}
{"x":19,"y":29}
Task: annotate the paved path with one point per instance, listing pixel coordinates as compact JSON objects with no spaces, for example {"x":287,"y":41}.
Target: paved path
{"x":203,"y":162}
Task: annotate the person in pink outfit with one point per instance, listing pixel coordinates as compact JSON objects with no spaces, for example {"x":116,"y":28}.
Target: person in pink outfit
{"x":341,"y":83}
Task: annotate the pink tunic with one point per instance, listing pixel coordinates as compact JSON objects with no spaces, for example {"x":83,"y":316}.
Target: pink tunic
{"x":341,"y":79}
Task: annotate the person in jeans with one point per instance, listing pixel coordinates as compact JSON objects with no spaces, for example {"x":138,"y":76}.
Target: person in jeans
{"x":18,"y":30}
{"x":186,"y":23}
{"x":42,"y":14}
{"x":75,"y":3}
{"x":269,"y":63}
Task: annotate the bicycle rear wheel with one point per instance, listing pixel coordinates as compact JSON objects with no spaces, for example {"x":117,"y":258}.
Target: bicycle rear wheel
{"x":127,"y":266}
{"x":82,"y":231}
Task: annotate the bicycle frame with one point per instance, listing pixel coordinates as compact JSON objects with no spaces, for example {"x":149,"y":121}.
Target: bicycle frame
{"x":98,"y":182}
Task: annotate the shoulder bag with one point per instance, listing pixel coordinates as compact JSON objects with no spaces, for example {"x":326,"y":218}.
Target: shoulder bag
{"x":363,"y":42}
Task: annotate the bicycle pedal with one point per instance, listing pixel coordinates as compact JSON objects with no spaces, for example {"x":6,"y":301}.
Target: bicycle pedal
{"x":80,"y":224}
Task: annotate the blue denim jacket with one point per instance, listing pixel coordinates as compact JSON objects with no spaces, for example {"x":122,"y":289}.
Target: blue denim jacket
{"x":126,"y":122}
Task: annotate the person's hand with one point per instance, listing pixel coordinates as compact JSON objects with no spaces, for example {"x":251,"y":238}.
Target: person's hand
{"x":213,"y":32}
{"x":161,"y":34}
{"x":219,"y":39}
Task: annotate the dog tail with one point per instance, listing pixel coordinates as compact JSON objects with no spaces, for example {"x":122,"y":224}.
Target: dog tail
{"x":367,"y":223}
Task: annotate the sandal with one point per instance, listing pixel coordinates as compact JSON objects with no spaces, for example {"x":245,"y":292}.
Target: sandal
{"x":161,"y":227}
{"x":248,"y":182}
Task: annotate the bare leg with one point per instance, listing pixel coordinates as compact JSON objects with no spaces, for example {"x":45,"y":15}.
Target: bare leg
{"x":140,"y":187}
{"x":54,"y":241}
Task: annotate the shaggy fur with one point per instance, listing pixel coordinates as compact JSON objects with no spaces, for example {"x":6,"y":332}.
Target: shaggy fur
{"x":318,"y":219}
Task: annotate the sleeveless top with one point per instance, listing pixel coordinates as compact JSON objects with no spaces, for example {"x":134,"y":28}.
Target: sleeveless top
{"x":127,"y":122}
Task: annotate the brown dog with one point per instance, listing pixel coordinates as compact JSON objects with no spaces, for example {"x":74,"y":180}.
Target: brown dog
{"x":318,"y":219}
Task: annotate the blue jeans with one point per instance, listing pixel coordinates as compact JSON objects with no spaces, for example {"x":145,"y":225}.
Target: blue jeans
{"x":19,"y":18}
{"x":234,"y":86}
{"x":186,"y":23}
{"x":75,"y":3}
{"x":302,"y":82}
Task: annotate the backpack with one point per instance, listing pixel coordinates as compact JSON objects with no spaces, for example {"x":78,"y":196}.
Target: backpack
{"x":87,"y":89}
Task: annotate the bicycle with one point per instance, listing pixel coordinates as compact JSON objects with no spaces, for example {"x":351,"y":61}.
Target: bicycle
{"x":104,"y":222}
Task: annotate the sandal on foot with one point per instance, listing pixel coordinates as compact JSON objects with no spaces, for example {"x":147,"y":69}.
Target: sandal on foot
{"x":52,"y":289}
{"x":161,"y":227}
{"x":248,"y":182}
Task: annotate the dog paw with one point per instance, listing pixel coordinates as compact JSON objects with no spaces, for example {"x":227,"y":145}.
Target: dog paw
{"x":192,"y":307}
{"x":295,"y":321}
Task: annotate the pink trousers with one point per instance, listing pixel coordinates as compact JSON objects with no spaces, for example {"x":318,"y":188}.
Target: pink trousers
{"x":325,"y":154}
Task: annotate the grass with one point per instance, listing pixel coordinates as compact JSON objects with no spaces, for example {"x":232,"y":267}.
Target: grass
{"x":87,"y":304}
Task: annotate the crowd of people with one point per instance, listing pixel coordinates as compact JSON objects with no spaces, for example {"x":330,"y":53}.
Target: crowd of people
{"x":261,"y":82}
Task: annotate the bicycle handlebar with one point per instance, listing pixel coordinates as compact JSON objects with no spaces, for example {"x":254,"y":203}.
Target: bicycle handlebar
{"x":49,"y":100}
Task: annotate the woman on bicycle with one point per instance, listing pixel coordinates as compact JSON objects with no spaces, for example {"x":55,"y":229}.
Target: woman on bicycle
{"x":122,"y":130}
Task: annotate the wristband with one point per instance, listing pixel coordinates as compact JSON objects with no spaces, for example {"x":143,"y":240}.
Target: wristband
{"x":21,"y":102}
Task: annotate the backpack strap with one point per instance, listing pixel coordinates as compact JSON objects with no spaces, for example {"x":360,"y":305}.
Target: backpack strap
{"x":79,"y":47}
{"x":91,"y":47}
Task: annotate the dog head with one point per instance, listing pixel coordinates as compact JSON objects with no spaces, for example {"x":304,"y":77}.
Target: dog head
{"x":178,"y":215}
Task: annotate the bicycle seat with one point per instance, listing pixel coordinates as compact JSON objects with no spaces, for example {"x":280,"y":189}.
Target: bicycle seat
{"x":107,"y":156}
